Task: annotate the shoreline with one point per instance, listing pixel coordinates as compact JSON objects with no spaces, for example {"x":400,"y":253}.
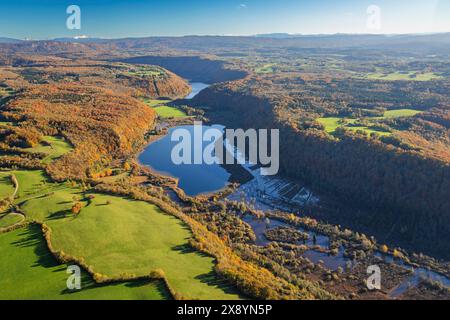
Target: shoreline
{"x":238,"y":174}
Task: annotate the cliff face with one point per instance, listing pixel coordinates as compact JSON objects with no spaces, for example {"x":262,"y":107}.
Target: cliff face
{"x":403,"y":196}
{"x":195,"y":69}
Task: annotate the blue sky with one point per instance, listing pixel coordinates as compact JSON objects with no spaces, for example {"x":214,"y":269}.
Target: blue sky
{"x":43,"y":19}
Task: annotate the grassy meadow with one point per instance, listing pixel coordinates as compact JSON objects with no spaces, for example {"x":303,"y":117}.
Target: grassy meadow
{"x":332,"y":123}
{"x":145,"y":71}
{"x":10,"y":219}
{"x":6,"y":185}
{"x":116,"y":235}
{"x":164,"y":111}
{"x":170,"y":112}
{"x":29,"y":271}
{"x":53,"y":147}
{"x":404,"y":76}
{"x":267,"y":68}
{"x":400,"y":113}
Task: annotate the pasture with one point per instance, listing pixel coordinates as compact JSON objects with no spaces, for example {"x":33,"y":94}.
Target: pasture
{"x":164,"y":111}
{"x":145,"y":71}
{"x":30,"y":272}
{"x":404,"y":76}
{"x":332,"y":123}
{"x":6,"y":185}
{"x":53,"y":147}
{"x":119,"y":236}
{"x":169,"y":112}
{"x":267,"y":68}
{"x":10,"y":219}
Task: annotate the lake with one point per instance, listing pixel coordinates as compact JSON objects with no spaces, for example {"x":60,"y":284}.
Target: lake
{"x":194,"y":179}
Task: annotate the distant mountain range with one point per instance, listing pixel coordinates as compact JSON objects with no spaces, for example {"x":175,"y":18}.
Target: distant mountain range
{"x":80,"y":39}
{"x":281,"y":36}
{"x":9,"y":40}
{"x":408,"y":43}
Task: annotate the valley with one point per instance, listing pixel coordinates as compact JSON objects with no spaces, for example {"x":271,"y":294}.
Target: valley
{"x":87,"y":179}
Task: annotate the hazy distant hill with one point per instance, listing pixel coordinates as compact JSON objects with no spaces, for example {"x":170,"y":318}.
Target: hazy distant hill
{"x":419,"y":44}
{"x":276,"y":35}
{"x":9,"y":40}
{"x":80,"y":40}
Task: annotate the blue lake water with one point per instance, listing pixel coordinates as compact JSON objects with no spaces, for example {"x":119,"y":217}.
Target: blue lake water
{"x":194,"y":179}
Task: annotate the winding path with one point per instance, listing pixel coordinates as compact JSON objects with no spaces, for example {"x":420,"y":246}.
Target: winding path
{"x":18,"y":214}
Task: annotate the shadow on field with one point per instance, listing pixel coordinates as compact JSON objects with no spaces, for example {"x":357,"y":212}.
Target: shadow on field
{"x":31,"y":236}
{"x":214,"y":280}
{"x":87,"y":283}
{"x":186,"y":249}
{"x":58,"y":215}
{"x":211,"y":278}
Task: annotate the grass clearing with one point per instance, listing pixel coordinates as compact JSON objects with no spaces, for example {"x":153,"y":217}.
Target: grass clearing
{"x":10,"y":219}
{"x":169,"y":112}
{"x":6,"y":185}
{"x":31,"y":183}
{"x":163,"y":110}
{"x":145,"y":71}
{"x":5,"y":92}
{"x":400,"y":113}
{"x":6,"y":123}
{"x":29,"y":272}
{"x":332,"y":123}
{"x":54,"y":147}
{"x":155,"y":102}
{"x":267,"y":68}
{"x":404,"y":76}
{"x":368,"y":130}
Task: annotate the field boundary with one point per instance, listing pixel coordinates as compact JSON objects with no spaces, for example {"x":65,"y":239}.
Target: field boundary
{"x":64,"y":258}
{"x":248,"y":278}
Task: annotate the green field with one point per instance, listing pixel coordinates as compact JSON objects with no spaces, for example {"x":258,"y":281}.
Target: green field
{"x":145,"y":71}
{"x":6,"y":185}
{"x":155,"y":102}
{"x":332,"y":123}
{"x":6,"y":123}
{"x":53,"y":147}
{"x":31,"y":183}
{"x":400,"y":113}
{"x":4,"y":91}
{"x":127,"y":236}
{"x":408,"y":76}
{"x":267,"y":68}
{"x":28,"y":271}
{"x":169,"y":112}
{"x":10,"y":219}
{"x":163,"y":110}
{"x":368,"y":130}
{"x":116,"y":235}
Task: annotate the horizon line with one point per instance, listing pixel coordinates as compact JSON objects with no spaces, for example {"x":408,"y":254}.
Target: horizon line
{"x":86,"y":37}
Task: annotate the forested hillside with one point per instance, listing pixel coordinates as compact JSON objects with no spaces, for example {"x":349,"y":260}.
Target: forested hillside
{"x":401,"y":187}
